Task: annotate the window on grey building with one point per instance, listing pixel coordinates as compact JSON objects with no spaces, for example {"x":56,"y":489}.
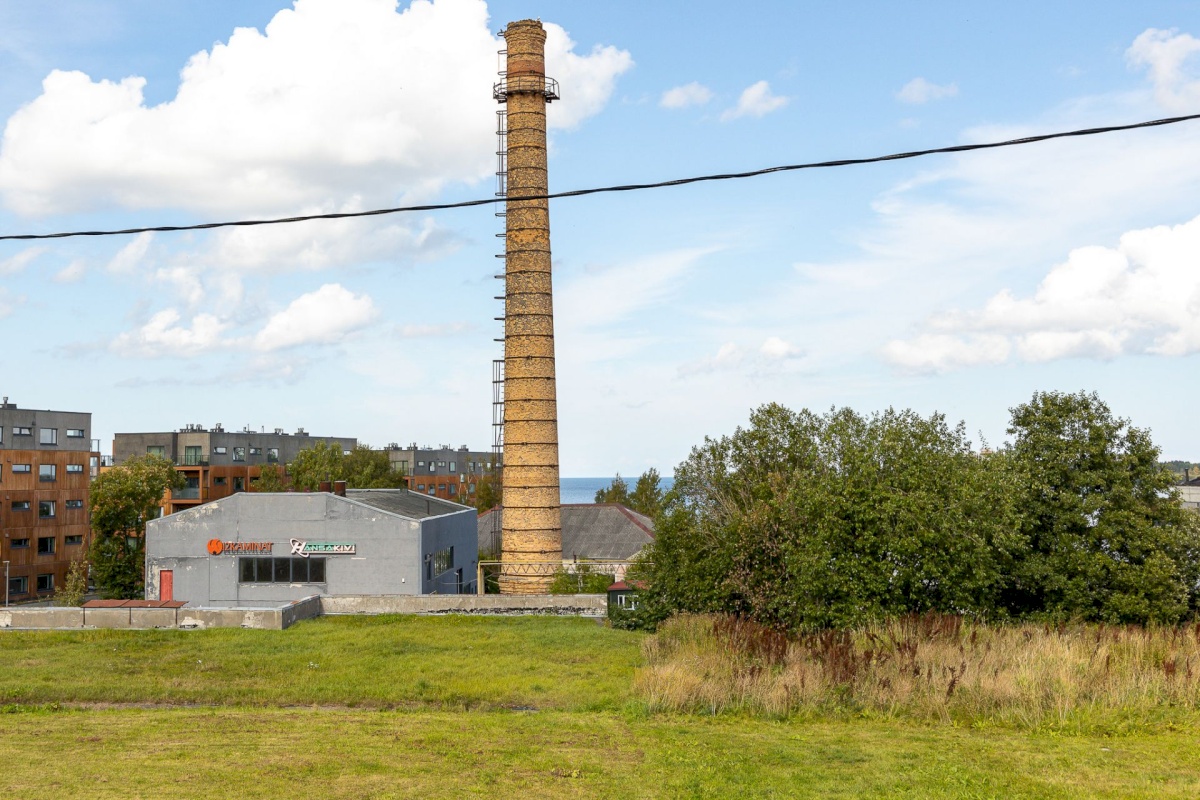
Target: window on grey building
{"x":266,"y":569}
{"x":256,"y":451}
{"x":272,"y":455}
{"x":239,"y":454}
{"x":46,"y":509}
{"x":219,"y":451}
{"x":45,"y":583}
{"x":74,"y":469}
{"x":47,"y":472}
{"x":156,"y":450}
{"x":48,"y":436}
{"x":452,"y":466}
{"x":46,"y":545}
{"x":74,"y":433}
{"x":19,"y":431}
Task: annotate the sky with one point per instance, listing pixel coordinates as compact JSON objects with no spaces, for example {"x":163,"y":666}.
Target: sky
{"x":959,"y":284}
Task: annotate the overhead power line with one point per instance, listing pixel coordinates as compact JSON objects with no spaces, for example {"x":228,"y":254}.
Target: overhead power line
{"x":631,"y":187}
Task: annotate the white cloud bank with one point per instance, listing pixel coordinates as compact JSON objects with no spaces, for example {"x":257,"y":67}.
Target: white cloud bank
{"x":335,"y":100}
{"x":1170,"y":57}
{"x":325,"y":316}
{"x":756,"y":100}
{"x":690,"y":94}
{"x":1141,"y":297}
{"x":919,"y":91}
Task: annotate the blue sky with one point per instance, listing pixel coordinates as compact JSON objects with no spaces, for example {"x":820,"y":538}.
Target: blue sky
{"x":960,"y":284}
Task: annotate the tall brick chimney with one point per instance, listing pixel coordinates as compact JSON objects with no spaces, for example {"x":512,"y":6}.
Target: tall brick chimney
{"x":532,"y":528}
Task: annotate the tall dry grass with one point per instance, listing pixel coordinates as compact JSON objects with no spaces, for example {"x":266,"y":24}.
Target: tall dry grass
{"x":932,"y":667}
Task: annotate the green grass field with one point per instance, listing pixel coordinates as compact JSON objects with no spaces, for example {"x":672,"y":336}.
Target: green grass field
{"x":435,"y":707}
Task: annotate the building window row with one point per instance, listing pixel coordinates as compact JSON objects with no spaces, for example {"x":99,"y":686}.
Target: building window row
{"x":265,"y":569}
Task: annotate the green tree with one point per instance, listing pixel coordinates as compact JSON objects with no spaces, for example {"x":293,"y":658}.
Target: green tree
{"x":361,"y":468}
{"x":324,"y":461}
{"x":365,"y":468}
{"x":121,"y":500}
{"x":616,"y":492}
{"x":584,"y":580}
{"x":272,"y":478}
{"x":1103,"y":534}
{"x":75,"y":586}
{"x":647,"y":496}
{"x":803,"y":521}
{"x":489,"y":490}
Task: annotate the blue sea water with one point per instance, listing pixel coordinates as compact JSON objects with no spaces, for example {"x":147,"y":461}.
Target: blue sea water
{"x":583,"y":490}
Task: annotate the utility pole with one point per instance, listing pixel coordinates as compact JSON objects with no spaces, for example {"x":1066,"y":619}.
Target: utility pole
{"x":6,"y":584}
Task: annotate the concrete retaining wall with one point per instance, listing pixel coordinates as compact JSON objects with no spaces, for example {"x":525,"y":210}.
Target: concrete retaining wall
{"x":143,"y":618}
{"x":591,"y":605}
{"x":276,"y":619}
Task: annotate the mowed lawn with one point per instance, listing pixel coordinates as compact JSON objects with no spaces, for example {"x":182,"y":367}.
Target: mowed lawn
{"x":456,"y":662}
{"x":437,"y":707}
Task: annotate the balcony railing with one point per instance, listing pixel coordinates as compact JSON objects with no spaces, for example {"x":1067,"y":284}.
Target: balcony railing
{"x":192,"y":461}
{"x":189,"y":493}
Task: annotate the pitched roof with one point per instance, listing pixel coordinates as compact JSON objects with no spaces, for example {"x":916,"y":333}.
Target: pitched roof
{"x":589,"y":530}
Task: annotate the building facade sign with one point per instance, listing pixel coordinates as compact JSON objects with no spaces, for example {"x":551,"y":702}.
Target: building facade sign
{"x":217,"y":548}
{"x":306,"y":549}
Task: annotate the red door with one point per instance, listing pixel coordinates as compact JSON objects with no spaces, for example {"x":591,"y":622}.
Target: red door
{"x":166,"y":584}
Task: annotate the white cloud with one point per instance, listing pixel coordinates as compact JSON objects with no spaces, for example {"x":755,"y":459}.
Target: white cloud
{"x":325,"y":316}
{"x":186,"y":283}
{"x":606,"y":295}
{"x":1141,"y":297}
{"x":163,"y":336}
{"x":334,"y":99}
{"x":777,"y":349}
{"x":942,"y":353}
{"x":728,"y":356}
{"x":919,"y":91}
{"x":690,"y":94}
{"x":756,"y":101}
{"x":1167,"y":55}
{"x":14,"y":264}
{"x":130,"y":256}
{"x":586,"y":82}
{"x":9,"y":302}
{"x":71,"y":273}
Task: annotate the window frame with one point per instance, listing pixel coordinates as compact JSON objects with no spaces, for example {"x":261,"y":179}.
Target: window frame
{"x":47,"y":509}
{"x":47,"y":473}
{"x":45,"y":440}
{"x":76,"y":433}
{"x":22,"y":469}
{"x":46,"y":585}
{"x":74,"y":469}
{"x":47,"y":545}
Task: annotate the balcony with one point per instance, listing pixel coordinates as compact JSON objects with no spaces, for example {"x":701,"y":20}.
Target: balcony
{"x":190,"y":460}
{"x":188,"y":493}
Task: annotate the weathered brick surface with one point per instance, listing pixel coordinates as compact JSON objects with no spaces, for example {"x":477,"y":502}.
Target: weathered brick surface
{"x":532,"y":524}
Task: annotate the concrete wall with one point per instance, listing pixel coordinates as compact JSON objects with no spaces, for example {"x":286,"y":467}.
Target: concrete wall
{"x":564,"y":604}
{"x":275,"y":619}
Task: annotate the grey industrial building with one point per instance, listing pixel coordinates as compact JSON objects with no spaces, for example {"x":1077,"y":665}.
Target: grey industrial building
{"x":264,"y":548}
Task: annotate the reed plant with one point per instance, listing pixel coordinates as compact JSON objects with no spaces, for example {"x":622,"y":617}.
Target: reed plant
{"x":932,"y":667}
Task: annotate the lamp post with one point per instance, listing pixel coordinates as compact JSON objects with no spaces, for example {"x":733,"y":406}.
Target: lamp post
{"x":6,"y":584}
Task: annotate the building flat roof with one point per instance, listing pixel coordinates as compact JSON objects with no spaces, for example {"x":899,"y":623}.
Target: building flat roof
{"x":413,"y":505}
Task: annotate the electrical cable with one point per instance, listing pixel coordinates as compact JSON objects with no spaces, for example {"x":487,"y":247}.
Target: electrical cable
{"x":633,"y":187}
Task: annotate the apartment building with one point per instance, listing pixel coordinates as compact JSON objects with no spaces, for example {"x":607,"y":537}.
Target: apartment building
{"x":217,"y":463}
{"x":445,"y":472}
{"x":47,"y":461}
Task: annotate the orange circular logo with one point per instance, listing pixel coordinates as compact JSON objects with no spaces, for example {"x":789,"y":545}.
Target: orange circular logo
{"x":215,"y":547}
